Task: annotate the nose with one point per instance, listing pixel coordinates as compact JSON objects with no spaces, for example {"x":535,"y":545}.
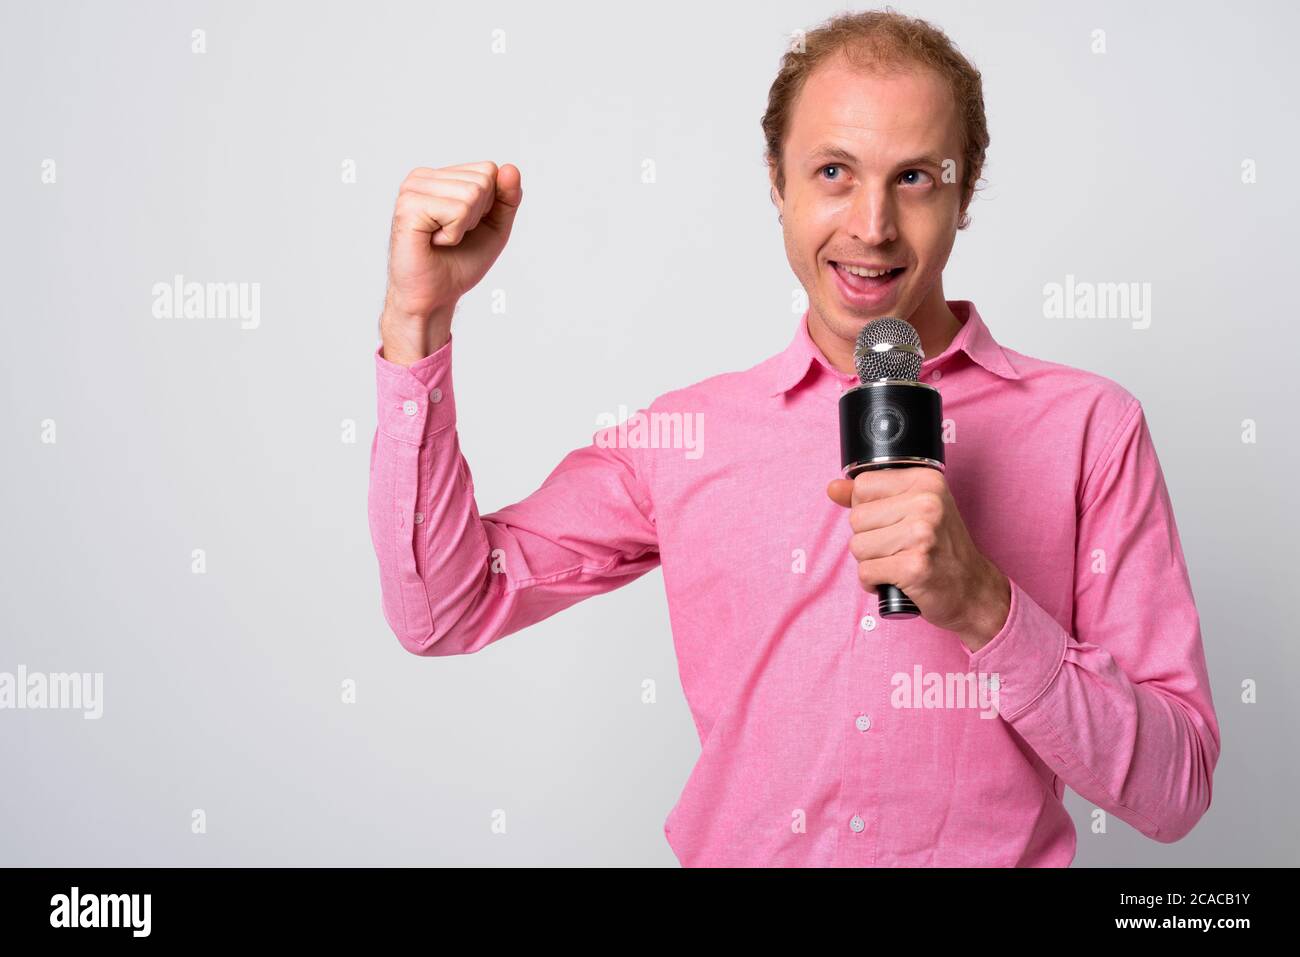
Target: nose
{"x":872,"y":217}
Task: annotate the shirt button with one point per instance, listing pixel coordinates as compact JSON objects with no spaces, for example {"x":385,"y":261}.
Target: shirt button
{"x":419,"y":518}
{"x":410,"y":407}
{"x":868,"y":623}
{"x":435,"y":395}
{"x":857,"y":824}
{"x":863,"y":722}
{"x":936,"y":375}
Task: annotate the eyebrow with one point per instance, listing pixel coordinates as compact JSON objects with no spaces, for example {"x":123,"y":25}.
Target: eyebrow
{"x":829,"y":151}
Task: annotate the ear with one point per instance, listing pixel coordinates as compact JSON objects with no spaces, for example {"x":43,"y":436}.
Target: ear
{"x":777,"y":200}
{"x":963,"y":215}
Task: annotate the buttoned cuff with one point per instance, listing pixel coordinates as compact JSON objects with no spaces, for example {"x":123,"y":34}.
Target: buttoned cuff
{"x":415,"y":401}
{"x":1025,"y":655}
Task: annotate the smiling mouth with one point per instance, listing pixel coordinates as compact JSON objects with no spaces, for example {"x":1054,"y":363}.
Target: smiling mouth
{"x":865,"y":279}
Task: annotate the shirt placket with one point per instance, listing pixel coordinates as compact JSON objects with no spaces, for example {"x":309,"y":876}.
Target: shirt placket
{"x":861,"y":717}
{"x":863,"y":721}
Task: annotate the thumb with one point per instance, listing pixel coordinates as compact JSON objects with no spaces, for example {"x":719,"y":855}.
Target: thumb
{"x":510,"y":193}
{"x":840,"y":491}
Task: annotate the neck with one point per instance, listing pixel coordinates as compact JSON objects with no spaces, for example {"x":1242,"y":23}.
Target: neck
{"x":933,"y":321}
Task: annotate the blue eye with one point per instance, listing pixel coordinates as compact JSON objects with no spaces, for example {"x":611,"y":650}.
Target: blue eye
{"x":830,"y":166}
{"x":915,"y":172}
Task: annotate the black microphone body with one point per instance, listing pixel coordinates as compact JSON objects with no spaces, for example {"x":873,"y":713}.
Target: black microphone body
{"x":891,"y":423}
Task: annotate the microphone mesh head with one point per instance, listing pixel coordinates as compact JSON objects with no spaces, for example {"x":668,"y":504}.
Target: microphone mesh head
{"x":888,"y":348}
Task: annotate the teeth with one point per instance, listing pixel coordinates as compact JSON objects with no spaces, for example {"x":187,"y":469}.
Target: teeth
{"x":859,"y":271}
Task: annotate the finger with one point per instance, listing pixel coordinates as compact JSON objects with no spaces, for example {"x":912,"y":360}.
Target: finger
{"x":840,"y":491}
{"x":880,"y":513}
{"x":442,"y":217}
{"x":876,"y":484}
{"x":426,"y":178}
{"x":482,"y":166}
{"x":898,"y":569}
{"x":509,"y":194}
{"x":429,"y":182}
{"x":880,"y":542}
{"x":462,"y":189}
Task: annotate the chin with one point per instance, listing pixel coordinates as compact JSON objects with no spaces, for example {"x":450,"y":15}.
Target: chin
{"x":900,"y":310}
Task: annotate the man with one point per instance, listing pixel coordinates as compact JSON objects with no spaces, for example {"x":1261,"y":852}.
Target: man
{"x":1059,"y":642}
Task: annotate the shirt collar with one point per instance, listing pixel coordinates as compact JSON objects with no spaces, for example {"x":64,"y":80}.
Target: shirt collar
{"x":973,"y":338}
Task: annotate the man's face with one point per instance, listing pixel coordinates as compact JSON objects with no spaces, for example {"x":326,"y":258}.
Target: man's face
{"x":864,"y":185}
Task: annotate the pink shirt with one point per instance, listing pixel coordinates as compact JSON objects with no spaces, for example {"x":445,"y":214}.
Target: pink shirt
{"x":830,"y":736}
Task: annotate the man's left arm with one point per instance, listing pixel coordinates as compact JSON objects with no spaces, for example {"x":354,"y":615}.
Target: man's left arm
{"x":1121,"y":708}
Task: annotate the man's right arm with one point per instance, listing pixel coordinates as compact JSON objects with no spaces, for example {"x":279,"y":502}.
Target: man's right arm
{"x":454,"y":581}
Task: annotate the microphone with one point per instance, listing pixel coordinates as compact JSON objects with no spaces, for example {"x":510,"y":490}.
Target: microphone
{"x":890,"y":420}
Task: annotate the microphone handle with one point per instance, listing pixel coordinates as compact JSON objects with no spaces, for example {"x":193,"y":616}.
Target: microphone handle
{"x":894,"y":603}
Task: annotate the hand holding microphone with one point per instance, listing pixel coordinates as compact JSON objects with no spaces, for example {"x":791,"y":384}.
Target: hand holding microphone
{"x":909,"y":539}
